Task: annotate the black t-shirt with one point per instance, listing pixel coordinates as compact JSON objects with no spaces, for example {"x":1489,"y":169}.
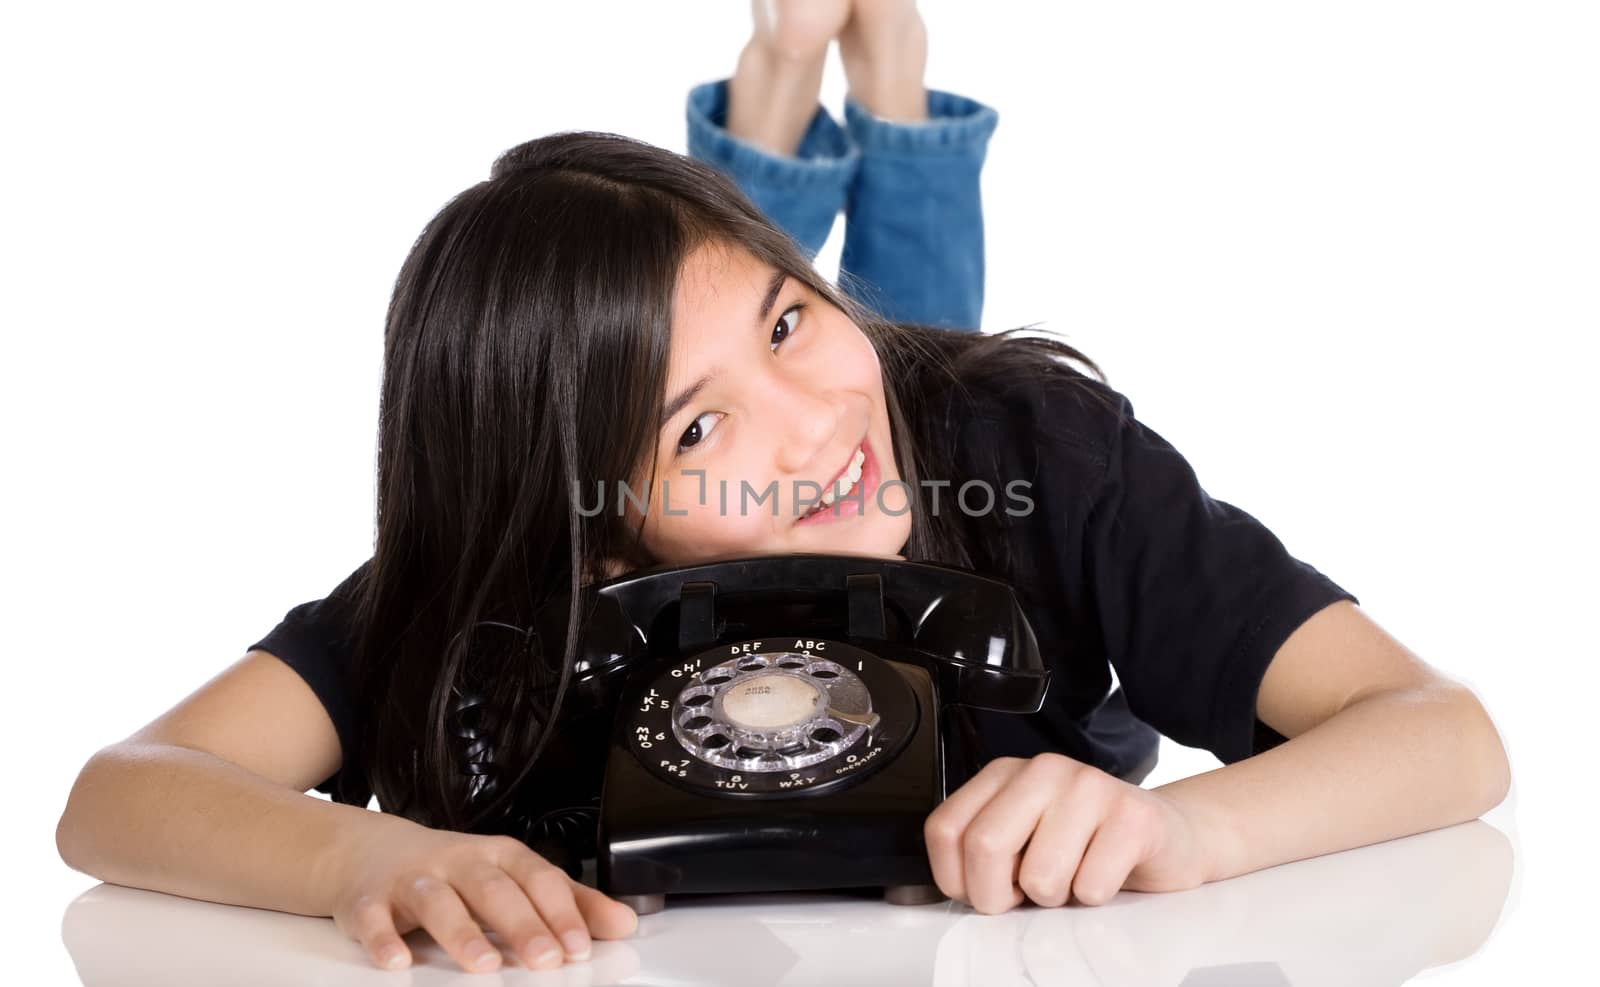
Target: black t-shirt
{"x":1123,"y":562}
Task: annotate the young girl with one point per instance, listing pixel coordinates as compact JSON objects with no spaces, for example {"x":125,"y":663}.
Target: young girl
{"x":601,"y":310}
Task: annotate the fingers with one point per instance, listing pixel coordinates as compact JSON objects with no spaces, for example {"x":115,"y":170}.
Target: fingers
{"x":997,"y":834}
{"x":551,"y":892}
{"x":438,"y":909}
{"x":1047,"y":828}
{"x":1053,"y":853}
{"x":1118,"y":846}
{"x":458,"y":887}
{"x":947,"y":824}
{"x":542,"y":915}
{"x":575,"y":912}
{"x":607,"y":917}
{"x":371,"y":923}
{"x":501,"y":903}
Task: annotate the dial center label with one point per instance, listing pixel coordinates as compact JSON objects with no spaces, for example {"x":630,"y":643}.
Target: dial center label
{"x":771,"y":701}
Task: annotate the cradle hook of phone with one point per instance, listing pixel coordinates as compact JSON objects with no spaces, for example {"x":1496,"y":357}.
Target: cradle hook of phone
{"x":697,"y":607}
{"x":697,"y":616}
{"x":865,"y":590}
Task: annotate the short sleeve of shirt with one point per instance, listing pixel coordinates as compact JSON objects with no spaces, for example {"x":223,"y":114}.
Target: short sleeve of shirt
{"x":1191,"y":595}
{"x":317,"y":640}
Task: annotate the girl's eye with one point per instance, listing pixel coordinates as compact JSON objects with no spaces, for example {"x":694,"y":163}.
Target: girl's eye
{"x":700,"y":428}
{"x":696,"y":431}
{"x":784,"y":329}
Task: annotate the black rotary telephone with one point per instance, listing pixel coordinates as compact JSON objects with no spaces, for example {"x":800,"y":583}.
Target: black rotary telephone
{"x":775,"y":723}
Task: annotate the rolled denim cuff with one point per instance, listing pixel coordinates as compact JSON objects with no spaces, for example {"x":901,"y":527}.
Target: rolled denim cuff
{"x":802,"y":193}
{"x":913,"y":243}
{"x":956,"y":124}
{"x":825,"y":153}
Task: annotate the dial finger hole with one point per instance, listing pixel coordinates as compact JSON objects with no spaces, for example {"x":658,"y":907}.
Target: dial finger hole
{"x":698,"y":700}
{"x":826,"y":735}
{"x":752,"y":663}
{"x":697,"y":723}
{"x":748,"y":753}
{"x":717,"y":676}
{"x":824,"y":673}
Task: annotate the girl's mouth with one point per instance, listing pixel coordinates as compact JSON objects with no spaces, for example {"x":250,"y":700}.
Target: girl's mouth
{"x":850,"y":501}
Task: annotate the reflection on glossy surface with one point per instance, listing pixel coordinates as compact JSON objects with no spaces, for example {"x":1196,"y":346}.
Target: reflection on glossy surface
{"x":1376,"y":915}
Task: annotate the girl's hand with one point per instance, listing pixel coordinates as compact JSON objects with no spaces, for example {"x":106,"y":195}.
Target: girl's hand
{"x":1050,"y":827}
{"x":411,"y":877}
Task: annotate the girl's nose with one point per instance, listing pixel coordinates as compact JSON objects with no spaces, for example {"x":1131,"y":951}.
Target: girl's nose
{"x":804,"y":421}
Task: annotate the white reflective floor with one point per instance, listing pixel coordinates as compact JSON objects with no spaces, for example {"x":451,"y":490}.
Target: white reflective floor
{"x":1381,"y":914}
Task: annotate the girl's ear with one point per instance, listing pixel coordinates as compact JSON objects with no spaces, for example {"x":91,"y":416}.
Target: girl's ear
{"x":611,"y":567}
{"x":612,"y":564}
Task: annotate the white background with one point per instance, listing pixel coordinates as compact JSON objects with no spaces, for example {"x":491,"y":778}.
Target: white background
{"x":1344,"y":256}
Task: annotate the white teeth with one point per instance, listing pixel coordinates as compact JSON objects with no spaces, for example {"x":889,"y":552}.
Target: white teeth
{"x":848,"y":479}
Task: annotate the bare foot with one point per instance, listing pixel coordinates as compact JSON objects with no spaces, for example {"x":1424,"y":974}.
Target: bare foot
{"x":772,"y":95}
{"x":885,"y":51}
{"x":800,"y":30}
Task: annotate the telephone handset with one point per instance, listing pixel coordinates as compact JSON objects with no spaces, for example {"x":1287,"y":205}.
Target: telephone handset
{"x":777,"y":722}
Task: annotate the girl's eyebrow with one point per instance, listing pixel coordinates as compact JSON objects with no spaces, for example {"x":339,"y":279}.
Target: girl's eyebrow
{"x":773,"y":287}
{"x":686,"y":395}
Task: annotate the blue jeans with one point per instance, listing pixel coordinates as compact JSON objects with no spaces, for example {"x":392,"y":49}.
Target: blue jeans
{"x":913,"y":246}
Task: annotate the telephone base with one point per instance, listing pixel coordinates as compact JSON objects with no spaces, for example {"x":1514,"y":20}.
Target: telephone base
{"x":913,"y":894}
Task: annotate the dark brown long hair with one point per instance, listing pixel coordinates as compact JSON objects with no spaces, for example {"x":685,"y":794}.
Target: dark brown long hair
{"x":525,"y":356}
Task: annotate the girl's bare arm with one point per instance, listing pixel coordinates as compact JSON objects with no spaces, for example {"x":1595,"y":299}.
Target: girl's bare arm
{"x":208,"y":802}
{"x":1382,"y":746}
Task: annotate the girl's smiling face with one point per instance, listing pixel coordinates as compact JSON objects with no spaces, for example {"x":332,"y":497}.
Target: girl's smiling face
{"x":777,"y":396}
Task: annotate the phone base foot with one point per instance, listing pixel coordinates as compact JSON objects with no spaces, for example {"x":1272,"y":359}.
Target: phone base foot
{"x":644,"y":904}
{"x":912,"y":894}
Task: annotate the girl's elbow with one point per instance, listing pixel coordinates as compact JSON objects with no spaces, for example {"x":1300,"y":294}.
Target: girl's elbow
{"x":1493,"y":764}
{"x":74,"y":830}
{"x":1499,"y":774}
{"x":69,"y":841}
{"x":69,"y":830}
